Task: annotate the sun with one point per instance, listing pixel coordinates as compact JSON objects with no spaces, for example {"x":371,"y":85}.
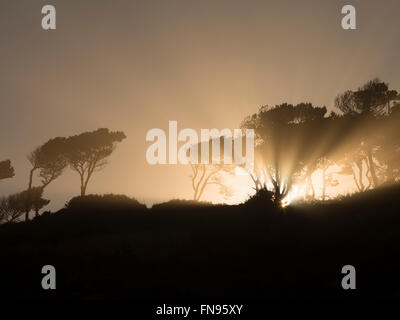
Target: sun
{"x":294,"y":194}
{"x":286,"y":202}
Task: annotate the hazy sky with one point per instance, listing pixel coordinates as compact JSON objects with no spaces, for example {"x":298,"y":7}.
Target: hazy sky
{"x":134,"y":65}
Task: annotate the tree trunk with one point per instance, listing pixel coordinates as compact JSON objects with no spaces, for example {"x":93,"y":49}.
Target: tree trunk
{"x":389,"y":172}
{"x":372,"y":167}
{"x":310,"y":187}
{"x":29,"y":189}
{"x":83,"y":184}
{"x":83,"y":191}
{"x":256,"y":182}
{"x":359,"y":165}
{"x":323,"y":183}
{"x":196,"y":190}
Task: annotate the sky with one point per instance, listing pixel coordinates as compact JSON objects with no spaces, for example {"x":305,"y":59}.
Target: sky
{"x":135,"y":65}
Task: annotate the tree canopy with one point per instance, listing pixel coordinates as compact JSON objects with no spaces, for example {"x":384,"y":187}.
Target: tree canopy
{"x":293,"y":141}
{"x":88,"y":152}
{"x":6,"y":170}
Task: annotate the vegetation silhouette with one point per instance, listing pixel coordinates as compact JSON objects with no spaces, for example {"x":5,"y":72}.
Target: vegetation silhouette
{"x":105,"y":202}
{"x":88,"y":152}
{"x":85,"y":153}
{"x":113,"y":246}
{"x":294,"y":141}
{"x":6,"y":170}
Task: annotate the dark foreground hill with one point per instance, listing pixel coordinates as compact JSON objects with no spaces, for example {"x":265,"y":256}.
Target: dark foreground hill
{"x":114,"y":247}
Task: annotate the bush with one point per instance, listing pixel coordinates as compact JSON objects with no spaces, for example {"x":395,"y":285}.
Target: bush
{"x":95,"y":202}
{"x":262,"y":198}
{"x":179,"y":204}
{"x":10,"y":209}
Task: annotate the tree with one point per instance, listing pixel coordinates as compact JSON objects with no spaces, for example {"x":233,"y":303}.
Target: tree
{"x":9,"y":212}
{"x":388,"y":153}
{"x":49,"y":161}
{"x":88,"y":152}
{"x":345,"y":103}
{"x":354,"y":164}
{"x":372,"y":97}
{"x":327,"y":178}
{"x":31,"y":200}
{"x":14,"y":206}
{"x":369,"y":101}
{"x":6,"y":170}
{"x":36,"y":200}
{"x":283,"y":145}
{"x":208,"y":174}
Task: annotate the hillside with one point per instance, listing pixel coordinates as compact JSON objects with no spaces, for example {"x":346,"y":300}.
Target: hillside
{"x":114,"y":247}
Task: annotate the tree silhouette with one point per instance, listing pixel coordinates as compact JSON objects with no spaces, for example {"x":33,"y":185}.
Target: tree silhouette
{"x":389,"y":152}
{"x":37,"y":202}
{"x":49,"y":161}
{"x":373,"y":97}
{"x":15,"y":205}
{"x":282,"y":150}
{"x":6,"y":170}
{"x":31,"y":200}
{"x":209,"y":174}
{"x":9,"y":212}
{"x":367,"y":103}
{"x":327,"y":178}
{"x":88,"y":152}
